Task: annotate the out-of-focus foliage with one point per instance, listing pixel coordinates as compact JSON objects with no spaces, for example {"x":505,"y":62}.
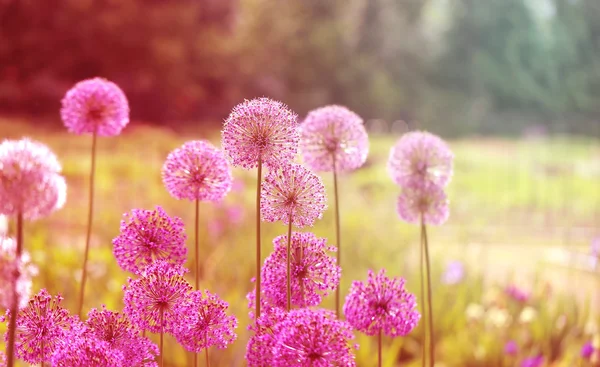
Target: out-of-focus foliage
{"x":455,"y":67}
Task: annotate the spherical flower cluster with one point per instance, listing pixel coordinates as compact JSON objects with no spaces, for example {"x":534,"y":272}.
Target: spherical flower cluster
{"x":30,"y":180}
{"x":426,"y":202}
{"x":381,"y":304}
{"x":148,"y":236}
{"x":537,"y":361}
{"x":314,"y":338}
{"x":260,"y":130}
{"x":517,"y":293}
{"x":41,"y":327}
{"x":151,"y":300}
{"x":420,"y":157}
{"x":291,"y":192}
{"x":511,"y":348}
{"x":259,"y":350}
{"x":313,"y":272}
{"x":197,"y":171}
{"x":116,"y":330}
{"x":587,"y":350}
{"x":203,"y":322}
{"x":15,"y":274}
{"x":82,"y":350}
{"x":95,"y":105}
{"x":333,"y":135}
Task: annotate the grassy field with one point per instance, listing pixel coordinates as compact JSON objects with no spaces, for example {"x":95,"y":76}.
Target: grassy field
{"x":512,"y":201}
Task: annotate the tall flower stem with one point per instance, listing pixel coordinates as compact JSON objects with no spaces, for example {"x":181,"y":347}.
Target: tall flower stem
{"x":337,"y":236}
{"x":289,"y":273}
{"x":423,"y":306}
{"x":197,"y":245}
{"x":160,"y":344}
{"x":379,"y":354}
{"x":89,"y":224}
{"x":429,"y":298}
{"x":258,"y":256}
{"x":206,"y":351}
{"x":14,"y":309}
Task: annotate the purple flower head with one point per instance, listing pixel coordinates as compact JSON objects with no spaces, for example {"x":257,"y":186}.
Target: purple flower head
{"x":314,"y":338}
{"x":511,"y":348}
{"x":454,"y":273}
{"x":259,"y":350}
{"x":381,"y":304}
{"x":587,"y":350}
{"x":313,"y":272}
{"x":260,"y":129}
{"x":81,"y":349}
{"x":203,"y":322}
{"x":148,"y":236}
{"x":151,"y":300}
{"x":116,"y":330}
{"x":533,"y":361}
{"x":292,"y":191}
{"x":516,"y":293}
{"x":30,"y":180}
{"x":95,"y":105}
{"x":41,"y":326}
{"x":418,"y":158}
{"x":427,"y":201}
{"x":15,"y":274}
{"x":197,"y":171}
{"x":333,"y":133}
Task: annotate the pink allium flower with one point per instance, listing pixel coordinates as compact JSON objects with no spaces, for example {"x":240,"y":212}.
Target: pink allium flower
{"x":312,"y":338}
{"x":381,"y":304}
{"x":313,"y":272}
{"x":260,"y":129}
{"x":85,"y":350}
{"x":533,"y":361}
{"x":95,"y":105}
{"x":517,"y":293}
{"x":259,"y":350}
{"x":116,"y":330}
{"x":197,"y":171}
{"x":428,"y":201}
{"x":14,"y":273}
{"x":30,"y":183}
{"x":418,"y":158}
{"x":333,"y":132}
{"x":292,"y":190}
{"x":147,"y":236}
{"x":587,"y":350}
{"x":203,"y":322}
{"x":511,"y":348}
{"x":41,"y":326}
{"x":151,"y":300}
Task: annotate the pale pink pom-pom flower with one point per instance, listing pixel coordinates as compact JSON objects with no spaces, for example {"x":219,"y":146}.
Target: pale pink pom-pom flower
{"x":426,"y":201}
{"x":333,"y":134}
{"x":95,"y":105}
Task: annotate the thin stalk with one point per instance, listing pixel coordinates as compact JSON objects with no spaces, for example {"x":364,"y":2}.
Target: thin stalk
{"x":206,"y":350}
{"x":429,"y":298}
{"x":89,"y":224}
{"x":337,"y":236}
{"x":289,"y":273}
{"x":161,"y":339}
{"x":196,"y":244}
{"x":14,"y":309}
{"x":379,"y":354}
{"x":258,"y":256}
{"x":423,"y":306}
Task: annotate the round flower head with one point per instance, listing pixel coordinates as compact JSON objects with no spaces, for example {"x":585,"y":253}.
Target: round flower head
{"x":260,"y":129}
{"x":381,"y":304}
{"x":427,"y":201}
{"x":420,"y":157}
{"x":203,"y":322}
{"x":312,"y":338}
{"x":292,"y":191}
{"x":150,"y":301}
{"x":147,"y":236}
{"x":333,"y":133}
{"x":313,"y":272}
{"x":15,"y":274}
{"x":121,"y":336}
{"x":259,"y":350}
{"x":587,"y":350}
{"x":84,"y":350}
{"x":511,"y":348}
{"x":454,"y":273}
{"x":533,"y":361}
{"x":197,"y":171}
{"x":30,"y":183}
{"x":95,"y":105}
{"x":41,"y":326}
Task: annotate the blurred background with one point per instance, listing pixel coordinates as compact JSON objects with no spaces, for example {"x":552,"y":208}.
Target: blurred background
{"x":513,"y":85}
